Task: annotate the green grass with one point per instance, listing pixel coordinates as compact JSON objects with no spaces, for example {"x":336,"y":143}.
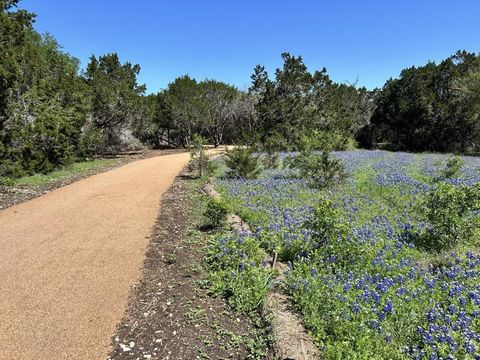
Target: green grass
{"x":76,"y":169}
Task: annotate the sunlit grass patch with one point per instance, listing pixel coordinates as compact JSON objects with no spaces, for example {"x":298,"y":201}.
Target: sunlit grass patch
{"x":75,"y":169}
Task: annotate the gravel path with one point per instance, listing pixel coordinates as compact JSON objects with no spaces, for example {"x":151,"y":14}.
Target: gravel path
{"x":68,"y":260}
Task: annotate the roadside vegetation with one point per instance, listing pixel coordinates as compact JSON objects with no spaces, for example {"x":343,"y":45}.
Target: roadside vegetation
{"x":74,"y":170}
{"x":244,"y":294}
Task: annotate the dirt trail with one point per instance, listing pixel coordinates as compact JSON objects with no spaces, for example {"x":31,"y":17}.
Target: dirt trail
{"x":68,"y":260}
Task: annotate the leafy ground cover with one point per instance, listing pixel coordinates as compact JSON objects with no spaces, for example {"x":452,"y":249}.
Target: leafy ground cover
{"x":385,"y":265}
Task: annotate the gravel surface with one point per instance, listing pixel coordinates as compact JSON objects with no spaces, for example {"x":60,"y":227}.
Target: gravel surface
{"x":68,"y":260}
{"x":10,"y":196}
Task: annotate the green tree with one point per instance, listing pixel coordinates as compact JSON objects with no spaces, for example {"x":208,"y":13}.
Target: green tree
{"x":115,"y":94}
{"x":14,"y":27}
{"x":242,"y":163}
{"x":430,"y":107}
{"x":216,"y":108}
{"x":45,"y":108}
{"x":182,"y":99}
{"x":200,"y":164}
{"x":467,"y":92}
{"x":297,"y":102}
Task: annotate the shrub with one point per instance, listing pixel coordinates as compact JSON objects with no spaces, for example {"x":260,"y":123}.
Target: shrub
{"x":270,"y":148}
{"x":6,"y":181}
{"x":242,"y":163}
{"x":200,"y":164}
{"x":327,"y":140}
{"x":327,"y":223}
{"x":452,"y":214}
{"x":46,"y":144}
{"x":452,"y":168}
{"x":274,"y":142}
{"x":216,"y":214}
{"x":90,"y":142}
{"x":320,"y":171}
{"x":11,"y":169}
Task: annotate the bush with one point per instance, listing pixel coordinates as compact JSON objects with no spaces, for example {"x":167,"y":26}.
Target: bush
{"x":270,"y":148}
{"x":274,"y":142}
{"x":452,"y":212}
{"x":90,"y":142}
{"x":327,"y":223}
{"x":320,"y":171}
{"x":242,"y":163}
{"x":216,"y":214}
{"x":200,"y":164}
{"x":48,"y":143}
{"x":331,"y":241}
{"x":6,"y":181}
{"x":452,"y":168}
{"x":327,"y":140}
{"x":11,"y":169}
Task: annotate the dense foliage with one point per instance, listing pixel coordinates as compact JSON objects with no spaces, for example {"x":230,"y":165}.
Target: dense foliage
{"x":320,"y":170}
{"x":242,"y":163}
{"x":209,"y":108}
{"x":365,"y":286}
{"x":297,"y":102}
{"x":431,"y":107}
{"x":115,"y":96}
{"x":50,"y":113}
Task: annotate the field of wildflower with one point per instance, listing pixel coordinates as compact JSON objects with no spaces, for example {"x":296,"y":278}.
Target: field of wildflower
{"x":373,"y":293}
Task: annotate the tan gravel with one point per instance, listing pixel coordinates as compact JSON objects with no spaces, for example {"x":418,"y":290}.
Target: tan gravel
{"x":68,"y":260}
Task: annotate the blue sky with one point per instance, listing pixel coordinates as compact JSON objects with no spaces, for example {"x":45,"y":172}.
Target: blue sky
{"x":371,"y":40}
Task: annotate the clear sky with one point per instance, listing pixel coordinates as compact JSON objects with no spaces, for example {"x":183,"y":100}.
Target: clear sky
{"x":224,"y":39}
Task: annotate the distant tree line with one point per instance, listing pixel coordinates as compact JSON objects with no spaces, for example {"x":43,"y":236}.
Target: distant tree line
{"x":52,"y":112}
{"x":213,"y":109}
{"x":435,"y":107}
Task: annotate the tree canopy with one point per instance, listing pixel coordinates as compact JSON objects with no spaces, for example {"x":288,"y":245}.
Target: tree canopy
{"x":433,"y":107}
{"x":298,"y":101}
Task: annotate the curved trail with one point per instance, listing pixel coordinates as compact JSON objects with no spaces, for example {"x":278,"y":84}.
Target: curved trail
{"x":69,"y":258}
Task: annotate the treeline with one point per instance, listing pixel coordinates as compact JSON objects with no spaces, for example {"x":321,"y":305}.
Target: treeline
{"x":297,"y":104}
{"x":52,"y":112}
{"x":213,"y":109}
{"x":435,"y":107}
{"x":278,"y":112}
